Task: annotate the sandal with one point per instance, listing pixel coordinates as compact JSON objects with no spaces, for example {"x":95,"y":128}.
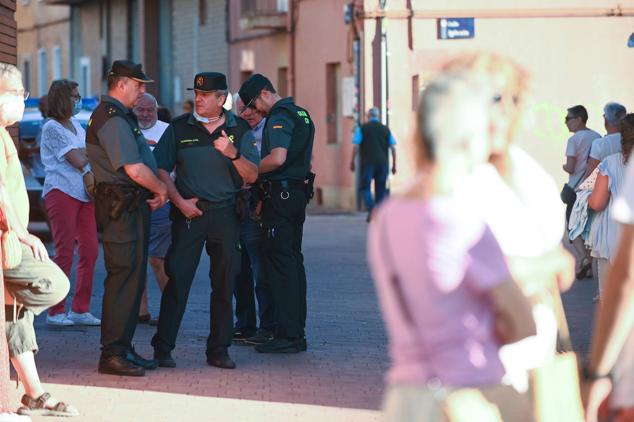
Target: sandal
{"x":40,"y":407}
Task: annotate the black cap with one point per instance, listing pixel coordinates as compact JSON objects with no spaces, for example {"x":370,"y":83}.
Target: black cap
{"x":251,"y":88}
{"x":209,"y":81}
{"x":129,"y":69}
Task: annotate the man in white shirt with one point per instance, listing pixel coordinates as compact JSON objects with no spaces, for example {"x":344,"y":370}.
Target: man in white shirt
{"x":579,"y":144}
{"x":577,"y":152}
{"x":610,"y":143}
{"x":146,"y":111}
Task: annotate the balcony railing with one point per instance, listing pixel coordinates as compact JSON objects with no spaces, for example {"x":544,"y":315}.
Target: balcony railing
{"x":264,"y":14}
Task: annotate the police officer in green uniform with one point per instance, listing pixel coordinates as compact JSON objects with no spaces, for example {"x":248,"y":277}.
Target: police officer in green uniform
{"x":286,"y":182}
{"x":214,"y":154}
{"x":127,"y":188}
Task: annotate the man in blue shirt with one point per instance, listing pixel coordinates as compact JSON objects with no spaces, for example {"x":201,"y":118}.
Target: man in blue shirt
{"x":373,"y":140}
{"x":252,"y":236}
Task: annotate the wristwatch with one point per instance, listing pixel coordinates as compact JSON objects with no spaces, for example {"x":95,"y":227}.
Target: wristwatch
{"x":238,"y":155}
{"x":587,"y":375}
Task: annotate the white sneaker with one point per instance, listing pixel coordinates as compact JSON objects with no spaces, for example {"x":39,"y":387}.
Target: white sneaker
{"x":83,"y":319}
{"x":59,"y":320}
{"x":14,"y":417}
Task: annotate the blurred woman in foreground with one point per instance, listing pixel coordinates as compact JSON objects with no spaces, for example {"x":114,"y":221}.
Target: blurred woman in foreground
{"x":445,"y":290}
{"x":520,"y":202}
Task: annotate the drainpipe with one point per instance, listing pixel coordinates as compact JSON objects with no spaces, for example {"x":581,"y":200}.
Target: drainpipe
{"x":384,"y":87}
{"x":195,"y":28}
{"x":290,"y":28}
{"x":142,"y":29}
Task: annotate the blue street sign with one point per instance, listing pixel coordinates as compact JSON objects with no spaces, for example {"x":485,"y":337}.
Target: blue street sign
{"x":455,"y":28}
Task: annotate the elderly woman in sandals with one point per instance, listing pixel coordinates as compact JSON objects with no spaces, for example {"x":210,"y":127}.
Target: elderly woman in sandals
{"x":36,"y":283}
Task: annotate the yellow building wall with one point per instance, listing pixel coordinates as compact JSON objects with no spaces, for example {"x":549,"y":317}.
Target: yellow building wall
{"x":572,"y":60}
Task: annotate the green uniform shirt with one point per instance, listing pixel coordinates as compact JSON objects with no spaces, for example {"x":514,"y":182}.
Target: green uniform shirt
{"x":201,"y":170}
{"x":113,"y":140}
{"x":290,"y":127}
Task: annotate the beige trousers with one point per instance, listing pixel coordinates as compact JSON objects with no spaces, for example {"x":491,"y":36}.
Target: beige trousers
{"x":495,"y":403}
{"x":35,"y":286}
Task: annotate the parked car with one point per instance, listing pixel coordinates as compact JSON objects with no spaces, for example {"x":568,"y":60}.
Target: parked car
{"x":29,"y":151}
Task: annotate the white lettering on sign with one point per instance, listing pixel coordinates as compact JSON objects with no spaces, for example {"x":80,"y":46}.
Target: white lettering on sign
{"x":455,"y":28}
{"x":453,"y":33}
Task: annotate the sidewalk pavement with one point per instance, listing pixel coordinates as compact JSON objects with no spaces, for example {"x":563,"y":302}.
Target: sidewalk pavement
{"x":339,"y":378}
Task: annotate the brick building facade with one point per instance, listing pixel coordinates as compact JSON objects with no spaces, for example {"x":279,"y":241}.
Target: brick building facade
{"x":173,"y":39}
{"x":44,"y":44}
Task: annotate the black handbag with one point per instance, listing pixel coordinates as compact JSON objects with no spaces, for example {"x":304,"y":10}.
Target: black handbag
{"x":568,"y":195}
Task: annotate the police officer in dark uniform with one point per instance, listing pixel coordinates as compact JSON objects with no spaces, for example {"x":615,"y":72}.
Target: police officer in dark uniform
{"x":127,"y":188}
{"x":214,"y":154}
{"x":286,"y":184}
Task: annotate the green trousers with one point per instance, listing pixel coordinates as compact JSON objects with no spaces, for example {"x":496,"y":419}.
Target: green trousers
{"x":35,"y":287}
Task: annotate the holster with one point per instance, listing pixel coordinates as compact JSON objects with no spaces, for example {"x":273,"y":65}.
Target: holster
{"x":310,"y":186}
{"x":245,"y":203}
{"x":118,"y":198}
{"x":264,"y":188}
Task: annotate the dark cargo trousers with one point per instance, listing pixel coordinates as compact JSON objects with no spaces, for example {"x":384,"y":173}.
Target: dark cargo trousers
{"x":125,"y":249}
{"x":283,"y":218}
{"x":218,"y":231}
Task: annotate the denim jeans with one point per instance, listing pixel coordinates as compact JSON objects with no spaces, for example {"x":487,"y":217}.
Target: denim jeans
{"x":252,"y":243}
{"x":378,"y":173}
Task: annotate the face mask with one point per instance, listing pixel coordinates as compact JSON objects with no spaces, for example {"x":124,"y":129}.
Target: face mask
{"x":12,"y":111}
{"x":200,"y":118}
{"x":77,"y":104}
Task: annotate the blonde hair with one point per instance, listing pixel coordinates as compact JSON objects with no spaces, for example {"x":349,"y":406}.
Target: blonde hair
{"x":509,"y":80}
{"x":8,"y":71}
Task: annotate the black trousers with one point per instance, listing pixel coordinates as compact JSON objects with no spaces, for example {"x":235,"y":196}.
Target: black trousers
{"x":125,"y":248}
{"x":218,"y":230}
{"x":283,"y":216}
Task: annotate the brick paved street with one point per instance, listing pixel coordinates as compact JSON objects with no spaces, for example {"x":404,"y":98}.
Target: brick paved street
{"x":338,"y":379}
{"x":341,"y":373}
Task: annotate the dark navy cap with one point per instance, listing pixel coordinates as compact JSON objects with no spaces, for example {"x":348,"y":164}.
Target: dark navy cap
{"x":209,"y":81}
{"x":129,"y":69}
{"x":252,"y":87}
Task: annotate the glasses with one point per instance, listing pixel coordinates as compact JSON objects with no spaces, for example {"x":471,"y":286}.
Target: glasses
{"x":18,"y":93}
{"x":498,"y":99}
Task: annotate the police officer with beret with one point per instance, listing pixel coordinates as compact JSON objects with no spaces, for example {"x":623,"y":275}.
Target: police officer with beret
{"x":127,"y":188}
{"x":214,"y":154}
{"x":286,"y":182}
